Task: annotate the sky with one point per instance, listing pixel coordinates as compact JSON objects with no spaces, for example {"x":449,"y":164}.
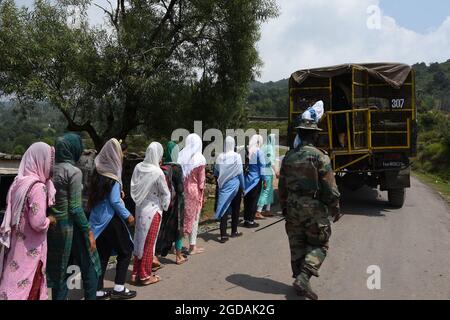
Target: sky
{"x":315,"y":33}
{"x":327,"y":32}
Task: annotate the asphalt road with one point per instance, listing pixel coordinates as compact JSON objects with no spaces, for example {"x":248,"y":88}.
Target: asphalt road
{"x":411,"y":246}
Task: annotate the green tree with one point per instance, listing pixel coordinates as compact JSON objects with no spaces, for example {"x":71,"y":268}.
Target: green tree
{"x":19,"y":150}
{"x":156,"y":64}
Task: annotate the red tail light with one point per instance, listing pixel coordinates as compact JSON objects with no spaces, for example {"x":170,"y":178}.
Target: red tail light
{"x":392,"y":156}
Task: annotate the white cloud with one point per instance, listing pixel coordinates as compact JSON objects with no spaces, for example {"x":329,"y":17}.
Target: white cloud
{"x":326,"y":32}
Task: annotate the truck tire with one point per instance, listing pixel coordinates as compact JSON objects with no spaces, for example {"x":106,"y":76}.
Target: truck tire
{"x":396,"y":197}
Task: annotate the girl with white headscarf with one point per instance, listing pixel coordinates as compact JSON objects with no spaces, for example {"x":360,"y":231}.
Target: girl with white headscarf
{"x":151,"y":194}
{"x":266,"y":196}
{"x":254,"y":174}
{"x":109,"y":217}
{"x":230,"y":184}
{"x":193,"y":165}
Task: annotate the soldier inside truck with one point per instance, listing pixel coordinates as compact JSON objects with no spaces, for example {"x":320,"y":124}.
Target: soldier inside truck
{"x":341,"y":94}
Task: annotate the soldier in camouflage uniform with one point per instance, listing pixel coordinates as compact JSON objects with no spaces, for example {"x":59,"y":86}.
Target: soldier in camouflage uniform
{"x":308,"y":196}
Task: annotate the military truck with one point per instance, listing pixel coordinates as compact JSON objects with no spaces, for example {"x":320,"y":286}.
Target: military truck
{"x":370,"y":123}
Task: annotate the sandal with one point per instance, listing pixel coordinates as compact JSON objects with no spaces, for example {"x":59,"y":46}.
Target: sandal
{"x":149,"y":281}
{"x":154,"y":269}
{"x":259,"y":216}
{"x":156,"y":265}
{"x":133,"y":279}
{"x":181,"y":261}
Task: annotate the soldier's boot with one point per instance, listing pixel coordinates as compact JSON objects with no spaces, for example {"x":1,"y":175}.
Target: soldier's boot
{"x":303,"y":287}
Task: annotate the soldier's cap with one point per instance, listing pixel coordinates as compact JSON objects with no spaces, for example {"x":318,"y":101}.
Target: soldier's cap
{"x":305,"y":124}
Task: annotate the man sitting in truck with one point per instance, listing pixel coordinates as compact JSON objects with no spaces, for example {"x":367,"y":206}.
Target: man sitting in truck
{"x":340,"y":103}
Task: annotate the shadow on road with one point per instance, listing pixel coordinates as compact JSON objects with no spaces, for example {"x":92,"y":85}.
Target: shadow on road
{"x":263,"y":285}
{"x":208,"y":236}
{"x":365,"y":202}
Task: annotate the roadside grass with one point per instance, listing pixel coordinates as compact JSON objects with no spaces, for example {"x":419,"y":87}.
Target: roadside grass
{"x":440,"y":185}
{"x":207,"y":213}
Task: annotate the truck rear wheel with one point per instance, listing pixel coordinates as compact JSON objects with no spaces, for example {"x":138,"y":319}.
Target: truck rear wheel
{"x":396,"y":197}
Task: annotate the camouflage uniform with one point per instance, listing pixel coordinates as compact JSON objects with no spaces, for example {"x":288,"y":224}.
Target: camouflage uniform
{"x":309,"y":195}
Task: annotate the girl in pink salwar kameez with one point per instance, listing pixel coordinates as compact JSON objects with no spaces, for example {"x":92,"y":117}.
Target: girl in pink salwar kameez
{"x":23,"y":233}
{"x":193,"y":164}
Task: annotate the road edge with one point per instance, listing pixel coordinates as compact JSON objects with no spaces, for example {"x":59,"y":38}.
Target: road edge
{"x":422,"y":178}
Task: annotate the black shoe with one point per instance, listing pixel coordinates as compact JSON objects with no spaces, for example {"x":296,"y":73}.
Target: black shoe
{"x":223,"y":239}
{"x":236,"y":234}
{"x":123,"y":295}
{"x":304,"y":290}
{"x":106,"y":296}
{"x":251,"y":225}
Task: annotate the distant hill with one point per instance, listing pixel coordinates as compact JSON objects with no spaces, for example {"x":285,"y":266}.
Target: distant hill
{"x":268,"y":99}
{"x":21,"y":127}
{"x":433,"y":88}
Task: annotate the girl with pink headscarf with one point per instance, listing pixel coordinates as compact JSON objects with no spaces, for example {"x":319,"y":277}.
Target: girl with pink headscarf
{"x":23,"y":233}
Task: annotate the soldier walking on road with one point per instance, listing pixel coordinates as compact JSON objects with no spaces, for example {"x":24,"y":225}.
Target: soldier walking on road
{"x":308,"y":195}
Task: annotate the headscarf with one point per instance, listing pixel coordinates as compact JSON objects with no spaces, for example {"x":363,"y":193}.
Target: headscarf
{"x":68,"y":148}
{"x":229,"y":162}
{"x":146,"y":173}
{"x":269,"y":148}
{"x":314,"y":113}
{"x":108,"y":162}
{"x":297,"y":141}
{"x":191,"y":156}
{"x":36,"y":166}
{"x":254,"y":145}
{"x":171,"y":152}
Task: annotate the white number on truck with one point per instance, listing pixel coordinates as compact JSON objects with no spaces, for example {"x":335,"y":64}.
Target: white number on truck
{"x":398,"y":103}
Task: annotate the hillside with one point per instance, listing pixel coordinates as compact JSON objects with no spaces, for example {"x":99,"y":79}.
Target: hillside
{"x":268,"y":99}
{"x":18,"y":129}
{"x":433,"y":86}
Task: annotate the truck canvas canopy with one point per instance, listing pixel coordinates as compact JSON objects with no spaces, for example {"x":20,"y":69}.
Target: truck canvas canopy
{"x":394,"y":74}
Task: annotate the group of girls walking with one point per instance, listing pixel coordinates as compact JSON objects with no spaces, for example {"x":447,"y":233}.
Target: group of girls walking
{"x":252,"y":180}
{"x":46,"y":230}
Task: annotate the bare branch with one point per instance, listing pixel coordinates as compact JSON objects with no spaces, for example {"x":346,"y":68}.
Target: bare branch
{"x":117,"y":12}
{"x":110,"y":5}
{"x":107,"y":12}
{"x":166,"y":16}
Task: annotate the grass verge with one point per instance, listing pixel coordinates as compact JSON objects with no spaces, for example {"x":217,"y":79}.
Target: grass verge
{"x":440,"y":185}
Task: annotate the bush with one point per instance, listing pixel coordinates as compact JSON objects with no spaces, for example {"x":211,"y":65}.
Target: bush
{"x":19,"y":150}
{"x":434,"y":144}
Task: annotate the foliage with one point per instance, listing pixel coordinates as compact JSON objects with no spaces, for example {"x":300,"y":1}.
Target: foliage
{"x":156,"y":66}
{"x":434,"y":143}
{"x":19,"y":128}
{"x":268,"y":99}
{"x":433,"y":84}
